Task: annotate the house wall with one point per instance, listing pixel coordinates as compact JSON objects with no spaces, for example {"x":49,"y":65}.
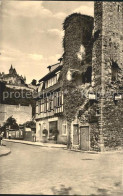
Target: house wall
{"x":20,"y":113}
{"x":44,"y":124}
{"x":87,"y":116}
{"x":113,"y":124}
{"x":28,"y":136}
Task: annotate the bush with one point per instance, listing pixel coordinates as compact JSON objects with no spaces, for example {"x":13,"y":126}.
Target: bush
{"x":45,"y":132}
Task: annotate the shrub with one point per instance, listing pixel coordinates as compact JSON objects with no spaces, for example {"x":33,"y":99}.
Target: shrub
{"x":45,"y":132}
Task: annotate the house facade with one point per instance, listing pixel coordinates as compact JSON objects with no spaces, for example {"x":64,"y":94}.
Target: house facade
{"x":90,"y":82}
{"x":49,"y":106}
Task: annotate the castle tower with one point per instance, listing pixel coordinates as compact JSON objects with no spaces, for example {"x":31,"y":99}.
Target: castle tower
{"x":77,"y":56}
{"x":12,"y":70}
{"x":107,"y":69}
{"x":77,"y":40}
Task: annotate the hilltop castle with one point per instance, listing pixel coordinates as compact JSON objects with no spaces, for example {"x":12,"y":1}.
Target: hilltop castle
{"x":13,"y":78}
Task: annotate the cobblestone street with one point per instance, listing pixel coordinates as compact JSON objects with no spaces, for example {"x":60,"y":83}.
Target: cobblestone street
{"x":41,"y":170}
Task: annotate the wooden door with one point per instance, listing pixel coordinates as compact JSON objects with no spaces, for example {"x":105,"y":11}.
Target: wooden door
{"x":84,"y":138}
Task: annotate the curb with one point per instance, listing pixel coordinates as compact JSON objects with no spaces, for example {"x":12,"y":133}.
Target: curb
{"x":94,"y":152}
{"x":65,"y":148}
{"x":89,"y":152}
{"x":23,"y":143}
{"x":34,"y":144}
{"x":5,"y":154}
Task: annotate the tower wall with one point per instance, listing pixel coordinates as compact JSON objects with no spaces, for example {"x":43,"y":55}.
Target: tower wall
{"x":77,"y":40}
{"x":107,"y":70}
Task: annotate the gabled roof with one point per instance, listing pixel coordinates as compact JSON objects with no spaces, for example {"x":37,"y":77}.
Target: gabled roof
{"x":51,"y":73}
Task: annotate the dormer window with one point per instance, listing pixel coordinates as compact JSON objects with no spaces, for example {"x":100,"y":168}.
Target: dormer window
{"x":57,"y":75}
{"x":51,"y":81}
{"x":40,"y":87}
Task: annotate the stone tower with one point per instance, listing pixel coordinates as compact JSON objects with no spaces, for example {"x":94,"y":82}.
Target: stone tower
{"x":107,"y":68}
{"x":12,"y":70}
{"x":77,"y":40}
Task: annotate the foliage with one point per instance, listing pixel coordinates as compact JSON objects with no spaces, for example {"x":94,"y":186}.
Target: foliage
{"x":78,"y":32}
{"x":72,"y":101}
{"x":10,"y":122}
{"x":30,"y":124}
{"x":34,"y":82}
{"x":45,"y":131}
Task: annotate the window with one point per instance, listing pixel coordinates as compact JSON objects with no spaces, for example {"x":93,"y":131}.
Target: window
{"x":42,"y":105}
{"x":86,"y":77}
{"x":97,"y":112}
{"x":64,"y":129}
{"x":40,"y":87}
{"x":58,"y":99}
{"x":39,"y":107}
{"x":49,"y":103}
{"x":46,"y":84}
{"x":54,"y":101}
{"x":114,"y":71}
{"x":36,"y":109}
{"x":45,"y":105}
{"x":55,"y":80}
{"x":57,"y":75}
{"x":118,"y":9}
{"x":96,"y":34}
{"x":21,"y":132}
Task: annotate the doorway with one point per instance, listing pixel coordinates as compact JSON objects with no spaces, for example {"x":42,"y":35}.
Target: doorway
{"x":84,"y":138}
{"x":75,"y":134}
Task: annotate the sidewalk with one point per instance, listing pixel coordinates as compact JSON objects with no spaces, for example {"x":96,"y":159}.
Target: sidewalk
{"x":37,"y":143}
{"x":4,"y":151}
{"x":50,"y":145}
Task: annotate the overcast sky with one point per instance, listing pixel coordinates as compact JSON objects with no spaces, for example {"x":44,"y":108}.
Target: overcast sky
{"x":31,"y":34}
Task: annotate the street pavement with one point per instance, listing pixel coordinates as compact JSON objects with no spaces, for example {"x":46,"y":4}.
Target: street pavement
{"x":36,"y":170}
{"x":4,"y":151}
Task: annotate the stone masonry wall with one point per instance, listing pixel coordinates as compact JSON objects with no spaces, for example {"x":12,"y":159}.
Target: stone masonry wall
{"x":113,"y":124}
{"x":112,"y":51}
{"x":20,"y":113}
{"x":97,"y":46}
{"x":78,"y":33}
{"x":108,"y":20}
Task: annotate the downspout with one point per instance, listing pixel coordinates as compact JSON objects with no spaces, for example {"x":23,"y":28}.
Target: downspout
{"x":102,"y":92}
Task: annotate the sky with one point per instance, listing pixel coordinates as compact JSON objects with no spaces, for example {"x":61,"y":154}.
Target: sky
{"x":31,"y":34}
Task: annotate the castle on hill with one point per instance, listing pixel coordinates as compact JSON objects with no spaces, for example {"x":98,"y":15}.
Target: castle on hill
{"x":13,"y":77}
{"x":16,"y":81}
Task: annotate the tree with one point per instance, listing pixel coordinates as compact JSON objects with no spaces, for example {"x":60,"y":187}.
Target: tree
{"x":34,"y":82}
{"x":12,"y":123}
